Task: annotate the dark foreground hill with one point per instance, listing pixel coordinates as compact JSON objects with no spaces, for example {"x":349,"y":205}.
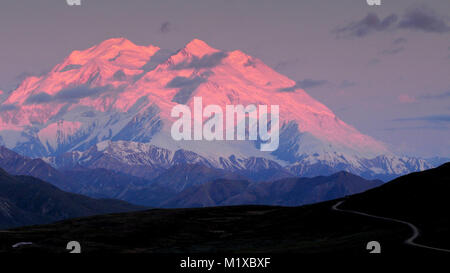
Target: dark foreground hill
{"x":421,"y":198}
{"x":25,"y":200}
{"x":318,"y":228}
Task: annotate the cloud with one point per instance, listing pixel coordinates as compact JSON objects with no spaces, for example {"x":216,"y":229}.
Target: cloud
{"x":67,"y":95}
{"x":304,"y":84}
{"x":22,"y":76}
{"x":285,"y":64}
{"x":374,"y":61}
{"x":165,"y":27}
{"x":369,"y":24}
{"x":392,"y":51}
{"x":397,"y":47}
{"x":419,"y":18}
{"x":427,"y":127}
{"x":424,"y":19}
{"x":431,"y":118}
{"x":399,"y":41}
{"x":346,"y":84}
{"x":440,"y":96}
{"x":7,"y":107}
{"x":186,"y":86}
{"x":289,"y":89}
{"x":310,"y":83}
{"x":207,"y":61}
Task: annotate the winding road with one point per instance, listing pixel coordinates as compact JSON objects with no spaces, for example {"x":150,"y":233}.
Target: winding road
{"x":409,"y":241}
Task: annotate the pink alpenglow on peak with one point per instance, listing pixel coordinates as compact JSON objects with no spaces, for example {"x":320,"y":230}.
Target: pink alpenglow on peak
{"x":199,"y":48}
{"x":120,"y":91}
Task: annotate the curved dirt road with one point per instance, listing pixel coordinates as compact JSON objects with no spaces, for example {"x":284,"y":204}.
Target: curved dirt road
{"x":409,"y":241}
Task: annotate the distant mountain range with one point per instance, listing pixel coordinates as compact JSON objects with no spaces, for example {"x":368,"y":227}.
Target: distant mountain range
{"x":148,"y":161}
{"x":284,"y":192}
{"x":110,"y":105}
{"x":188,"y":184}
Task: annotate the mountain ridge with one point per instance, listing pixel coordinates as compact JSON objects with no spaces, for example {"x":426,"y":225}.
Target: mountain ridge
{"x":119,"y":91}
{"x":181,"y":180}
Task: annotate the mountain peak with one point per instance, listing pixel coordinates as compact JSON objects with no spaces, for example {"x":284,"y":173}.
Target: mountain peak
{"x":199,"y":48}
{"x":110,"y":49}
{"x":119,"y":41}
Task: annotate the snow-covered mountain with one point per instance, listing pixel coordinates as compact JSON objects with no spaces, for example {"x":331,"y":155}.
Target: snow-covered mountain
{"x":148,"y":161}
{"x":116,"y":98}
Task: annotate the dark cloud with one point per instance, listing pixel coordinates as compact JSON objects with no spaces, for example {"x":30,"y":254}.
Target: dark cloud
{"x":22,"y":76}
{"x":440,"y":96}
{"x":304,"y":84}
{"x":369,"y":24}
{"x":374,"y":61}
{"x":67,"y":95}
{"x":346,"y":84}
{"x":424,"y":19}
{"x":399,"y":41}
{"x":431,"y":118}
{"x":165,"y":27}
{"x":310,"y":83}
{"x":392,"y":51}
{"x":418,"y":18}
{"x":427,"y":127}
{"x":207,"y":61}
{"x":7,"y":107}
{"x":186,"y":86}
{"x":285,"y":64}
{"x":288,"y":89}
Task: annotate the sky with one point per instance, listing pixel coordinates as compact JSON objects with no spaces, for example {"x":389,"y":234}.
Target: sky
{"x":383,"y":69}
